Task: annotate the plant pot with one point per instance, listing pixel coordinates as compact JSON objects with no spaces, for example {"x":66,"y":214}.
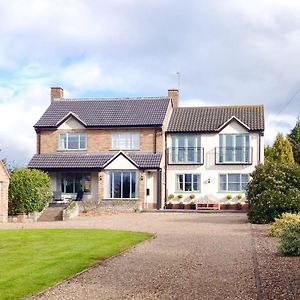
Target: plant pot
{"x":181,"y":206}
{"x":169,"y":206}
{"x":187,"y":206}
{"x":222,"y":206}
{"x":239,"y":207}
{"x":175,"y":206}
{"x":245,"y":206}
{"x":228,"y":206}
{"x":233,"y":206}
{"x":193,"y":206}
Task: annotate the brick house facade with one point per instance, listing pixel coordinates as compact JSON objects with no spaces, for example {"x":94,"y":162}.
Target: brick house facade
{"x":4,"y":183}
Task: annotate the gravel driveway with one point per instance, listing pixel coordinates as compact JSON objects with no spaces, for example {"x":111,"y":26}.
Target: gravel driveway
{"x":194,"y":256}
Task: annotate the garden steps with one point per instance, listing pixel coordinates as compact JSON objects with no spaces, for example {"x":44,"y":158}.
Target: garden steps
{"x":52,"y":213}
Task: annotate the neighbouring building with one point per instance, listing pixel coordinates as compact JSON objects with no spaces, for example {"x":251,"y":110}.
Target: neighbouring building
{"x":134,"y":152}
{"x":4,"y":183}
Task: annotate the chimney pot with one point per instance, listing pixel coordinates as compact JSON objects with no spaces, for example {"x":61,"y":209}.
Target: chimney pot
{"x":57,"y":93}
{"x":174,"y":95}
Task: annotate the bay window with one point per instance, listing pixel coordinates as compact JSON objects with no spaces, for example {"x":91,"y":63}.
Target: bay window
{"x":122,"y":184}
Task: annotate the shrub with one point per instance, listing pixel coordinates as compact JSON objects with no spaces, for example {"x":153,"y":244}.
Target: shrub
{"x":180,"y":196}
{"x":192,"y":196}
{"x":171,"y":196}
{"x":229,"y":196}
{"x":29,"y":190}
{"x":273,"y":190}
{"x":240,"y":196}
{"x":276,"y":228}
{"x":289,"y":243}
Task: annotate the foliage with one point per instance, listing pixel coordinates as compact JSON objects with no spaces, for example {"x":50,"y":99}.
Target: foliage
{"x":294,"y":138}
{"x":29,"y":190}
{"x":229,"y":196}
{"x":32,"y":260}
{"x":289,"y":243}
{"x":282,"y":151}
{"x":276,"y":228}
{"x":180,"y":196}
{"x":171,"y":196}
{"x":240,"y":196}
{"x":273,"y":190}
{"x":268,"y":153}
{"x":192,"y":196}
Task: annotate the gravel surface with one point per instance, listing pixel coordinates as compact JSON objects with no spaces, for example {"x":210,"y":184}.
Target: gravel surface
{"x":279,"y":276}
{"x":194,"y":256}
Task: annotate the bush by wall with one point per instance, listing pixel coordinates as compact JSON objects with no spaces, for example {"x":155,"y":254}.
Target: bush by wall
{"x":276,"y":228}
{"x":289,"y":243}
{"x":29,"y":190}
{"x":273,"y":190}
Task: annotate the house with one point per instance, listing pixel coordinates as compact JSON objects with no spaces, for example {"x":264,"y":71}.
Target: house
{"x":212,"y":150}
{"x":4,"y":183}
{"x":112,"y":149}
{"x":135,"y":152}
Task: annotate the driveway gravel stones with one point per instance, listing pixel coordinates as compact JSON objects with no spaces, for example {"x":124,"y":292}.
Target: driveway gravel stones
{"x":194,"y":256}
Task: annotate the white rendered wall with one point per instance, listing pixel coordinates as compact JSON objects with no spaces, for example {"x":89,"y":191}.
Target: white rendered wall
{"x":209,"y":171}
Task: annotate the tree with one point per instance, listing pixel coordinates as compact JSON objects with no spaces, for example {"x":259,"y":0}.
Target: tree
{"x":29,"y":190}
{"x":282,"y":151}
{"x":268,"y":152}
{"x":294,"y":138}
{"x":273,"y":190}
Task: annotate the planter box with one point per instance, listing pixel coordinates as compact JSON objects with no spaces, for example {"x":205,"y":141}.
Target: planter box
{"x":187,"y":206}
{"x":222,"y":206}
{"x":193,"y":206}
{"x":181,"y":206}
{"x":245,"y":207}
{"x":233,"y":206}
{"x":169,"y":206}
{"x":175,"y":206}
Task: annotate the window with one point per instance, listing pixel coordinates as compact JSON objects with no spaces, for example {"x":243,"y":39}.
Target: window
{"x":234,"y":148}
{"x":72,"y":183}
{"x":122,"y":184}
{"x":125,"y":140}
{"x":185,"y":149}
{"x":188,"y":182}
{"x":233,"y":182}
{"x":72,"y":141}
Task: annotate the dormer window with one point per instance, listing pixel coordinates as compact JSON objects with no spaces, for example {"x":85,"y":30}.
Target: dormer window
{"x":73,"y":141}
{"x":125,"y":140}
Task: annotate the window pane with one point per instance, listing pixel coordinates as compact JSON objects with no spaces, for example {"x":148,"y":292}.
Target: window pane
{"x":223,"y":186}
{"x":135,"y":140}
{"x":234,"y":178}
{"x":233,"y":186}
{"x":117,"y":185}
{"x":69,"y":181}
{"x":63,"y":141}
{"x":73,"y":139}
{"x":180,"y":182}
{"x":196,"y":182}
{"x":87,"y":183}
{"x":245,"y":180}
{"x":82,"y":141}
{"x":78,"y":183}
{"x":126,"y":185}
{"x":133,"y":184}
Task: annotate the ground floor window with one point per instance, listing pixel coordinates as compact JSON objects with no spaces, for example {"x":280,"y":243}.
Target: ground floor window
{"x":72,"y":183}
{"x":188,"y":182}
{"x":233,"y":182}
{"x":122,"y":184}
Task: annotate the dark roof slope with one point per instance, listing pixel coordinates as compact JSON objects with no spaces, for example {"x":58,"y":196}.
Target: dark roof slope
{"x":205,"y":119}
{"x":127,"y":112}
{"x":48,"y":161}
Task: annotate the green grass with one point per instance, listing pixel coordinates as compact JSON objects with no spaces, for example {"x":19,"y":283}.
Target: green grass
{"x":31,"y":260}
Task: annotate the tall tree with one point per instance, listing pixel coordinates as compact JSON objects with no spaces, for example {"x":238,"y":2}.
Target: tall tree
{"x":294,"y":138}
{"x":282,"y":150}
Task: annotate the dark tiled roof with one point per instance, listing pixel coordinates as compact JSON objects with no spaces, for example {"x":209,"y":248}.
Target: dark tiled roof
{"x":108,"y":112}
{"x":50,"y":161}
{"x":203,"y":119}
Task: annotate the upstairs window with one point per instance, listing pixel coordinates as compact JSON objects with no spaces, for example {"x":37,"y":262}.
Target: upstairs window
{"x":234,"y":148}
{"x":125,"y":140}
{"x":72,"y":141}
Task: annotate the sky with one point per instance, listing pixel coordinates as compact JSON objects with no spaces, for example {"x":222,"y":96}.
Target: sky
{"x":228,"y":52}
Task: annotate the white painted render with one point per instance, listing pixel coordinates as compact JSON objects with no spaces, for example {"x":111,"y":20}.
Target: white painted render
{"x":209,"y":171}
{"x":120,"y":163}
{"x":71,"y":123}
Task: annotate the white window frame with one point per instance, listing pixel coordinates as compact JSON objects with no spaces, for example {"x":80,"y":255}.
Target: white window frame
{"x":66,"y":135}
{"x":192,"y":183}
{"x":240,"y":182}
{"x":110,"y":184}
{"x":82,"y":182}
{"x":131,"y":141}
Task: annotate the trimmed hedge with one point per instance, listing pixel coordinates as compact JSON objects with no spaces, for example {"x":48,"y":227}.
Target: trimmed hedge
{"x":276,"y":228}
{"x":273,"y":190}
{"x":289,"y":243}
{"x":29,"y":190}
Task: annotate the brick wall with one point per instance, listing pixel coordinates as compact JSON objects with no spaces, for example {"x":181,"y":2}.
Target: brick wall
{"x":4,"y":183}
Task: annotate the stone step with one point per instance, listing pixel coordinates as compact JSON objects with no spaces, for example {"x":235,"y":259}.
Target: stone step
{"x":51,"y":214}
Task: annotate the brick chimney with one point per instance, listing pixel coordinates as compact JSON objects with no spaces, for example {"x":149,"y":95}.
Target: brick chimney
{"x":57,"y":93}
{"x":174,"y":95}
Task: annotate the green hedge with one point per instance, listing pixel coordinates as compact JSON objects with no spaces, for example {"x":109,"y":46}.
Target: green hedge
{"x":29,"y":190}
{"x":273,"y":190}
{"x":289,"y":243}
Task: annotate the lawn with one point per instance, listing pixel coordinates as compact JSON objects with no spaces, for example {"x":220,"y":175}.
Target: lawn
{"x":31,"y":260}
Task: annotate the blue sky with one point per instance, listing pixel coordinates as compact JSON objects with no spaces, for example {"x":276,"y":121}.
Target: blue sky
{"x":228,"y":52}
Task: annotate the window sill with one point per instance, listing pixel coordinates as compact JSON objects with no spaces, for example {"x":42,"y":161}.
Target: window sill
{"x":71,"y":150}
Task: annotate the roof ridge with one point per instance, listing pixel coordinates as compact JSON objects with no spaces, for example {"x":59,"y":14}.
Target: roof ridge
{"x":114,"y":99}
{"x":223,"y":106}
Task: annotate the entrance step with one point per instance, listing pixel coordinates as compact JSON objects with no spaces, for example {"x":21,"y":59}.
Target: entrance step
{"x":52,"y":213}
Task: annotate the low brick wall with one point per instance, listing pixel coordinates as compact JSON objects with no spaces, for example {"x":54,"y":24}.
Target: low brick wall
{"x":23,"y":218}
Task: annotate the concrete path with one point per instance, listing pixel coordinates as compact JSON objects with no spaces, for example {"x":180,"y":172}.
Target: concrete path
{"x":194,"y":256}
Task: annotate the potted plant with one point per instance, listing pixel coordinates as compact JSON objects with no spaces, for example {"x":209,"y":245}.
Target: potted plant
{"x":192,"y":204}
{"x":181,"y":205}
{"x":239,"y":205}
{"x":228,"y":204}
{"x":240,"y":196}
{"x":169,"y":204}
